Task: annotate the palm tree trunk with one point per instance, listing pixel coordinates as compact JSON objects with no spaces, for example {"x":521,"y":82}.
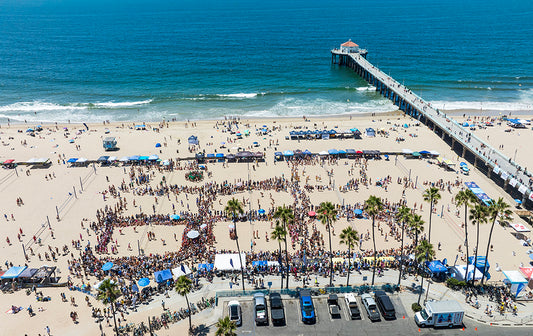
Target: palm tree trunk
{"x":330,"y":258}
{"x":280,"y":265}
{"x":487,"y":254}
{"x":239,"y":251}
{"x":286,"y":255}
{"x":466,"y":237}
{"x":430,"y":214}
{"x":401,"y":257}
{"x":190,"y":314}
{"x":475,"y":258}
{"x":349,"y":266}
{"x":421,"y":289}
{"x":374,"y":241}
{"x":114,"y":318}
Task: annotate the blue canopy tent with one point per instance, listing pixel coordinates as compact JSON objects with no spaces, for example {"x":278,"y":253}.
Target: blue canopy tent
{"x":293,"y":135}
{"x":72,"y":160}
{"x":161,"y":276}
{"x":134,"y":158}
{"x":143,"y":158}
{"x":436,"y":266}
{"x":288,"y":153}
{"x":358,"y":212}
{"x":278,"y":156}
{"x":193,"y":140}
{"x":425,"y":152}
{"x":153,"y":157}
{"x":260,"y":263}
{"x":481,"y":263}
{"x":307,"y":152}
{"x":175,"y":217}
{"x":325,"y":135}
{"x":13,"y":272}
{"x":261,"y":211}
{"x":333,"y":152}
{"x":157,"y":145}
{"x":219,"y":155}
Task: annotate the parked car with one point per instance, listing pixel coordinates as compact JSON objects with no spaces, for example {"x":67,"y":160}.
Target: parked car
{"x":333,"y":304}
{"x":371,"y":308}
{"x":234,"y":312}
{"x":352,"y":306}
{"x":276,"y":309}
{"x":306,"y":307}
{"x":260,"y":309}
{"x":385,"y":305}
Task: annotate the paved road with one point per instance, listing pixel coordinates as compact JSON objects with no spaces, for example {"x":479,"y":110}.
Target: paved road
{"x":345,"y":326}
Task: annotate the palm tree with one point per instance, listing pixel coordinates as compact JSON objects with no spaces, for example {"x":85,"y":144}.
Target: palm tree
{"x":349,"y":237}
{"x":373,"y":206}
{"x":108,"y":292}
{"x":225,"y":327}
{"x":432,"y":196}
{"x":423,"y":252}
{"x":416,"y":225}
{"x":286,"y":215}
{"x":279,"y":233}
{"x":403,"y":217}
{"x":183,"y":287}
{"x":327,"y":214}
{"x":234,"y":207}
{"x":478,"y":215}
{"x":498,"y":210}
{"x":467,"y":198}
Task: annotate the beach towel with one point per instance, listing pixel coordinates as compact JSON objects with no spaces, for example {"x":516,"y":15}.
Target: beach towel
{"x":10,"y":311}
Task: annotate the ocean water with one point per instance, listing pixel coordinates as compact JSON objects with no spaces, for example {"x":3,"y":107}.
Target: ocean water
{"x":88,"y":61}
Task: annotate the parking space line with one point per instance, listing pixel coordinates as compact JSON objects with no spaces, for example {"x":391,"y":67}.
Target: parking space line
{"x":347,"y":311}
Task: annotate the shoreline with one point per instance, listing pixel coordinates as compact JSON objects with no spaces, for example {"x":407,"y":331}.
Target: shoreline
{"x":461,"y":113}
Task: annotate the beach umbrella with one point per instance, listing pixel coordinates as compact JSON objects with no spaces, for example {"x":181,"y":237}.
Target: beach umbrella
{"x":518,"y":201}
{"x":175,"y":217}
{"x":29,"y":130}
{"x":107,"y":266}
{"x":157,"y":145}
{"x":311,"y":213}
{"x":193,"y":234}
{"x":261,"y":211}
{"x":358,"y":212}
{"x":203,"y":226}
{"x":425,"y":152}
{"x":143,"y":282}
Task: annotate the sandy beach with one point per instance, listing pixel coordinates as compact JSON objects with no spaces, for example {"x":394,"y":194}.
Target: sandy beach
{"x":60,"y":202}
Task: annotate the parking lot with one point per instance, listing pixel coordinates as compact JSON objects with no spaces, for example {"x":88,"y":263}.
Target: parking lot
{"x":325,"y":324}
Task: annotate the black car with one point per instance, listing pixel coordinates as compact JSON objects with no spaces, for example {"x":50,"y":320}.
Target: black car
{"x":385,"y":305}
{"x":277,"y":313}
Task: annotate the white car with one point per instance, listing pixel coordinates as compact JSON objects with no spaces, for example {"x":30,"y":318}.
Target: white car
{"x":234,"y":312}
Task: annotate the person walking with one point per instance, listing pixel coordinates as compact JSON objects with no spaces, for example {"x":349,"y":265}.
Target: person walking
{"x":47,"y":330}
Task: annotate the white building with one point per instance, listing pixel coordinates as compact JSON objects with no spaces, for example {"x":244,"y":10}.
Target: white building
{"x":349,"y":47}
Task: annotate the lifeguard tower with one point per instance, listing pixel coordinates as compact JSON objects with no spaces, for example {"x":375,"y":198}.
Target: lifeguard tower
{"x":349,"y":47}
{"x":110,"y":144}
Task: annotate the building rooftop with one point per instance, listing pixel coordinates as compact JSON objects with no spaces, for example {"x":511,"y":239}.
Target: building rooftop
{"x":349,"y":44}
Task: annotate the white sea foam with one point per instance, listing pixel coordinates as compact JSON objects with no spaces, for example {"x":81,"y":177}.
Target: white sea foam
{"x":481,"y":105}
{"x":239,"y":95}
{"x":366,"y":88}
{"x":37,"y":106}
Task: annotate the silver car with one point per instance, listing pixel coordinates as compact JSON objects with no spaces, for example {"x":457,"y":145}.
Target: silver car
{"x":234,"y":312}
{"x":260,"y":309}
{"x":371,"y":308}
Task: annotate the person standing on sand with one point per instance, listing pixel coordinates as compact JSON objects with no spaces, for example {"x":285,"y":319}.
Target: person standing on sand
{"x":47,"y":329}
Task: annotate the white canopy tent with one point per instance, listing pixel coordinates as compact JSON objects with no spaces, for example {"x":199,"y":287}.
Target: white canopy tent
{"x":229,"y":261}
{"x":459,"y":272}
{"x":178,"y":271}
{"x":516,"y":280}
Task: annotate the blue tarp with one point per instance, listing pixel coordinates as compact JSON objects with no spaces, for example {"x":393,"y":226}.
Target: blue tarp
{"x":259,"y":263}
{"x":436,"y":266}
{"x":163,"y":275}
{"x":14,"y":272}
{"x":481,"y":262}
{"x":219,"y":155}
{"x":207,"y":267}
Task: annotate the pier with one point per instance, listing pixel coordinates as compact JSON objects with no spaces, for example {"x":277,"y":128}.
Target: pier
{"x":509,"y":175}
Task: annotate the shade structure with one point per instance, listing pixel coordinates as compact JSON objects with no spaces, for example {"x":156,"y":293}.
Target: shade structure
{"x":306,"y":152}
{"x":163,"y":275}
{"x":527,"y":272}
{"x":72,"y":160}
{"x":153,"y":157}
{"x":333,"y":151}
{"x":436,"y":266}
{"x":107,"y":266}
{"x":407,"y":151}
{"x":203,"y":226}
{"x":143,"y":282}
{"x":434,"y":153}
{"x":358,"y":212}
{"x":112,"y":158}
{"x":229,"y":261}
{"x":261,"y":211}
{"x":288,"y":153}
{"x":175,"y":217}
{"x":219,"y":155}
{"x":13,"y":272}
{"x":193,"y":234}
{"x":323,"y":153}
{"x":311,"y":213}
{"x":425,"y":152}
{"x":103,"y":158}
{"x":157,"y":145}
{"x":416,"y":154}
{"x":181,"y":270}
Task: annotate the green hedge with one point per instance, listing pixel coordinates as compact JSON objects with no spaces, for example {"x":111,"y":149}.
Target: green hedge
{"x":416,"y":307}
